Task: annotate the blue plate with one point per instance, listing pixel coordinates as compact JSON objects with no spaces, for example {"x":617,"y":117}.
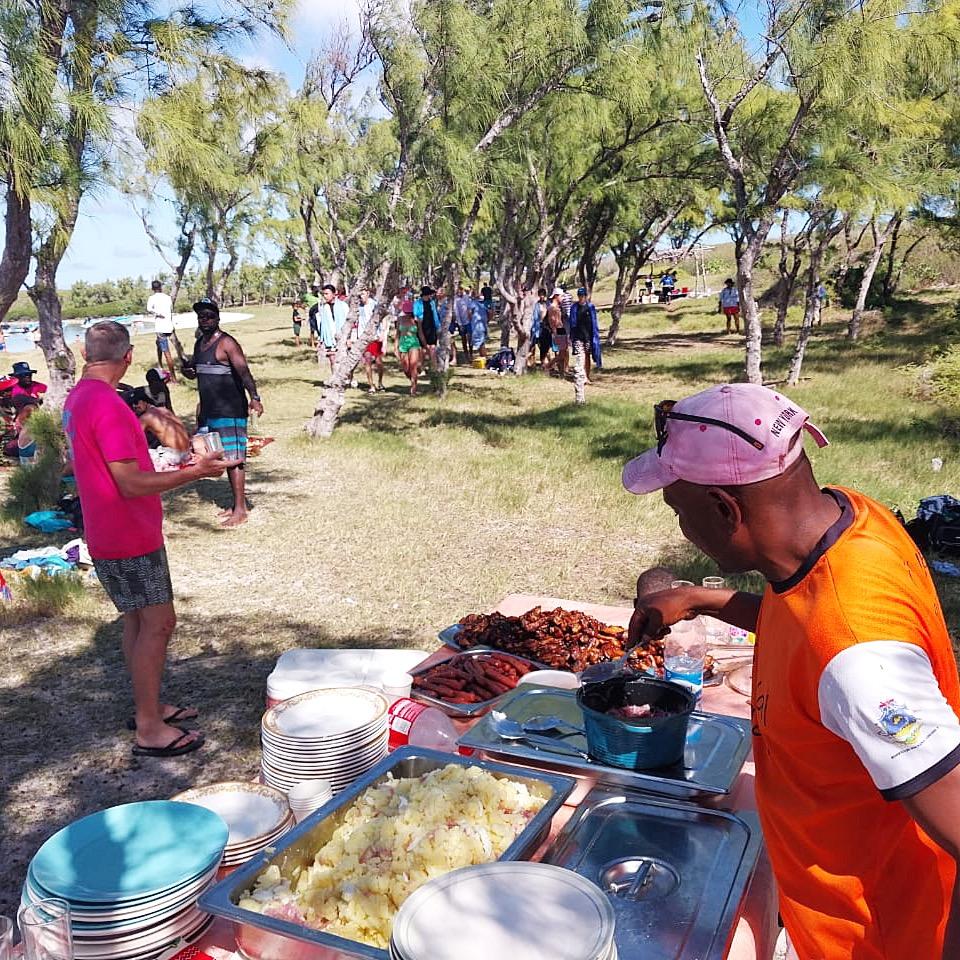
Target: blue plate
{"x":130,"y":851}
{"x":448,"y":635}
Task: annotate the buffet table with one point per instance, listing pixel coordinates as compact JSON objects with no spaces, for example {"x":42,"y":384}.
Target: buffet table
{"x":756,"y":930}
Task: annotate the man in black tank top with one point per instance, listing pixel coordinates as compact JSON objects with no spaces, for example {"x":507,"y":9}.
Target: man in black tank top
{"x":224,"y":379}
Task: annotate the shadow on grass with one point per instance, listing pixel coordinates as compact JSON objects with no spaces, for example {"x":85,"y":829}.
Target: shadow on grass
{"x":67,"y":717}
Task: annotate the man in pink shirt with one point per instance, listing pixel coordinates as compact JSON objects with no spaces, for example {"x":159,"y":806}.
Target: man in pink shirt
{"x":123,"y":522}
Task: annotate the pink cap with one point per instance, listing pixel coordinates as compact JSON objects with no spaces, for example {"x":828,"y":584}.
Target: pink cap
{"x":710,"y":455}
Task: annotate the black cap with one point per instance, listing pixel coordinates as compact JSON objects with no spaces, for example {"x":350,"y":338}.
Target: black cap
{"x":134,"y":396}
{"x":208,"y":305}
{"x":426,"y":291}
{"x":19,"y":402}
{"x":22,"y":369}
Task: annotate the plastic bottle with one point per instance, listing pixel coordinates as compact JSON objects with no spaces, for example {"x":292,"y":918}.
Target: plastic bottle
{"x":419,"y":725}
{"x":684,"y":651}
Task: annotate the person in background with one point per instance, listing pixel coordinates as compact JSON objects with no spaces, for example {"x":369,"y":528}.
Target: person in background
{"x":160,"y":307}
{"x":8,"y":417}
{"x":312,"y":301}
{"x":428,"y":321}
{"x":297,"y":320}
{"x":856,"y":698}
{"x":123,"y":526}
{"x":648,"y":286}
{"x":158,"y":393}
{"x":373,"y":354}
{"x":332,"y":315}
{"x":167,"y":437}
{"x":538,"y":322}
{"x":667,"y":283}
{"x":823,"y":295}
{"x":26,"y":386}
{"x":462,"y":315}
{"x":566,"y":302}
{"x":729,"y":303}
{"x":584,"y":330}
{"x":486,"y":295}
{"x":408,"y":344}
{"x":558,"y":330}
{"x":224,"y":380}
{"x":479,"y":327}
{"x":24,"y":449}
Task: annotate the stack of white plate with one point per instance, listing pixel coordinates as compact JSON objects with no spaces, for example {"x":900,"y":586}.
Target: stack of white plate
{"x":308,"y":796}
{"x":132,"y":875}
{"x":524,"y":911}
{"x":335,"y":734}
{"x":256,"y":815}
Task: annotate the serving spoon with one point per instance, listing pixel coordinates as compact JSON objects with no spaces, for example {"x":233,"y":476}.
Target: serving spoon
{"x":508,"y":729}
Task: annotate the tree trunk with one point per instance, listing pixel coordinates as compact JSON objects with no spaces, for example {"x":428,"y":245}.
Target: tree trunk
{"x":212,"y":249}
{"x":186,"y":252}
{"x":750,"y":253}
{"x":15,"y":263}
{"x":227,"y":273}
{"x":61,"y":363}
{"x":349,"y":354}
{"x":891,"y":262}
{"x":853,"y":327}
{"x":620,"y":296}
{"x":524,"y":325}
{"x":811,"y":313}
{"x":579,"y":378}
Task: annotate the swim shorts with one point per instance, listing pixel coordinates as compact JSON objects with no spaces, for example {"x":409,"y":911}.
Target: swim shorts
{"x":133,"y":583}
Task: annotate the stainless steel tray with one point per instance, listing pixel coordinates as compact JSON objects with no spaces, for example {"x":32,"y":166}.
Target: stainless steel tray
{"x":466,"y":711}
{"x":266,"y":938}
{"x":717,"y":747}
{"x":675,"y":873}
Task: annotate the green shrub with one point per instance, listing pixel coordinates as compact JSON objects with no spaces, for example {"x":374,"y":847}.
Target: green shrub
{"x":37,"y":486}
{"x":48,"y":596}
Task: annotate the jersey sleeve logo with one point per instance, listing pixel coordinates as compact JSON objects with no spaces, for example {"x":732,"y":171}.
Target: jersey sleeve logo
{"x":897,"y":722}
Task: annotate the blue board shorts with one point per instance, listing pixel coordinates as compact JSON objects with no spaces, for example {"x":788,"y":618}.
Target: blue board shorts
{"x":163,"y":342}
{"x":233,"y":436}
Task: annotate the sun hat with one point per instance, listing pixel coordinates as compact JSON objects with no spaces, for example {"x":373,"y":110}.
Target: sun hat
{"x":21,"y":369}
{"x":7,"y":383}
{"x":406,"y":306}
{"x":557,"y":292}
{"x":728,"y":435}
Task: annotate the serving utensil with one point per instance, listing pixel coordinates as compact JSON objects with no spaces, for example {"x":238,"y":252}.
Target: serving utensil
{"x":508,"y":729}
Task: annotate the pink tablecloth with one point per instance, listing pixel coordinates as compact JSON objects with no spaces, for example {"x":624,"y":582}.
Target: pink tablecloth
{"x":755,"y":934}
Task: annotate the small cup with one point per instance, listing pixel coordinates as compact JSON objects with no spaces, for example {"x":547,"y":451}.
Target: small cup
{"x":45,"y":928}
{"x":396,"y":686}
{"x":681,"y":583}
{"x":714,"y":583}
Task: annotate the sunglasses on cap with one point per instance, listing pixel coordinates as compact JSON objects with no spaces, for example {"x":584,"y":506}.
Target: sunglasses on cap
{"x":663,"y":411}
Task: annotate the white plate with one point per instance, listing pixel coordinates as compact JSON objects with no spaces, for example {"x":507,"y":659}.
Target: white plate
{"x":250,"y":810}
{"x":324,"y":748}
{"x":298,"y":773}
{"x":325,"y":713}
{"x":133,"y":950}
{"x":295,"y":764}
{"x":261,"y":842}
{"x":525,"y":911}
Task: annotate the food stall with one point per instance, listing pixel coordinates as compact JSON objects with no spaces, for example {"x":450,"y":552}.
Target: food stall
{"x":672,"y":857}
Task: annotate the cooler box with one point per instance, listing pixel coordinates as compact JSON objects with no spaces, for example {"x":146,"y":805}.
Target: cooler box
{"x":298,"y":671}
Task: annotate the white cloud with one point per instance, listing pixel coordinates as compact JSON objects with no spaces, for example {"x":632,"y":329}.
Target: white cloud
{"x":321,"y":14}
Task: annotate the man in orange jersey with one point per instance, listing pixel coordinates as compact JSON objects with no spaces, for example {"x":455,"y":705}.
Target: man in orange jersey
{"x":856,"y":699}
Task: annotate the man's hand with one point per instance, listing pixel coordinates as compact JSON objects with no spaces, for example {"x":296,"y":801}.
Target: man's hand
{"x":212,"y":465}
{"x":257,"y":407}
{"x":655,"y":612}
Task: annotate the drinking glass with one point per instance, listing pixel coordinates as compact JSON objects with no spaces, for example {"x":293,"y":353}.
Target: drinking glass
{"x":6,"y":938}
{"x":717,"y":631}
{"x":45,"y":928}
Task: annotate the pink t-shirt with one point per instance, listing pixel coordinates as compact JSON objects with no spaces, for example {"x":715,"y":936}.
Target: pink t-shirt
{"x":35,"y":390}
{"x":102,"y":429}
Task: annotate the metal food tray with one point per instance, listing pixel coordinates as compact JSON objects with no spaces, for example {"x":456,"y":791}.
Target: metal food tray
{"x":716,"y":748}
{"x":675,"y":874}
{"x":267,"y":938}
{"x":448,"y":635}
{"x":466,"y":711}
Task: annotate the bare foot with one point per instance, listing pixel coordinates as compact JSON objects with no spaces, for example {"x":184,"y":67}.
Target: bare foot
{"x":163,"y":734}
{"x":235,"y":519}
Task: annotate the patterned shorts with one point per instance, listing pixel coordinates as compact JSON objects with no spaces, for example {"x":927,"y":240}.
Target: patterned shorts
{"x":136,"y":582}
{"x":233,"y":436}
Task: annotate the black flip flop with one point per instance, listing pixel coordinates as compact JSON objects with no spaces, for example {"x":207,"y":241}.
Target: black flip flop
{"x":177,"y":714}
{"x":171,"y":749}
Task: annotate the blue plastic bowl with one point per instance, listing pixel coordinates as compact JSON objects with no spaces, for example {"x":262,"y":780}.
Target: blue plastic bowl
{"x":636,"y":744}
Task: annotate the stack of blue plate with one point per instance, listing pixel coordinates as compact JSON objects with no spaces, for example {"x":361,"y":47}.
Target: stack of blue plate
{"x":132,"y":875}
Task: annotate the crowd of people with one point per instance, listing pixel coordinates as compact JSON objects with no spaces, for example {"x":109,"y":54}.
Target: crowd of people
{"x":559,"y":324}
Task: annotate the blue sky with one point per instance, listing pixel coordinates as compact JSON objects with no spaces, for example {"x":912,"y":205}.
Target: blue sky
{"x":109,"y":241}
